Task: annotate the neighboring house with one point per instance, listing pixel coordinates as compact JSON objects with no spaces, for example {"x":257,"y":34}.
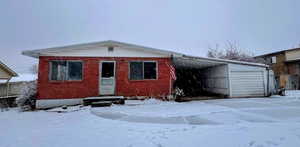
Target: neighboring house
{"x":6,"y":74}
{"x":70,"y":73}
{"x":286,"y":67}
{"x":16,"y":84}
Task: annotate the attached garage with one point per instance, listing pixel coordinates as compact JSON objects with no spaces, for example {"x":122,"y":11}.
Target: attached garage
{"x":225,"y":78}
{"x":247,"y":80}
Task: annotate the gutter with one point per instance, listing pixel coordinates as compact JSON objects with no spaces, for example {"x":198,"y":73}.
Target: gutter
{"x":227,"y":61}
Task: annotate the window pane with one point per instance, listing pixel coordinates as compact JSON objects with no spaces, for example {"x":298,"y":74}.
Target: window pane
{"x":273,"y":59}
{"x":149,"y":70}
{"x":58,"y":70}
{"x":54,"y":70}
{"x":108,"y":69}
{"x":75,"y":70}
{"x":136,"y":70}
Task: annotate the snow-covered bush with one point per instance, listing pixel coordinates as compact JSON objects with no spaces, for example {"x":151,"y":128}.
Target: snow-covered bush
{"x":27,"y":98}
{"x":178,"y":92}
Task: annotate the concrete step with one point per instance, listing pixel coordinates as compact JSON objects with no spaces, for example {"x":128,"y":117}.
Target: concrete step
{"x":101,"y":104}
{"x":112,"y":99}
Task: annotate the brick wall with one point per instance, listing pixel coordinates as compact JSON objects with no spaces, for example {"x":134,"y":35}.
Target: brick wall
{"x":89,"y":86}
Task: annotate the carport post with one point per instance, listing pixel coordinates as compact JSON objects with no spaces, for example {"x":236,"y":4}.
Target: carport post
{"x":268,"y":81}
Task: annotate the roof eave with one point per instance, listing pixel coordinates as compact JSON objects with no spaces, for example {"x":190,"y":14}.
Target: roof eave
{"x":277,"y":52}
{"x":10,"y":71}
{"x":269,"y":54}
{"x":31,"y":54}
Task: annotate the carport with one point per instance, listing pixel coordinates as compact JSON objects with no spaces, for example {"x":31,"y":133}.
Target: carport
{"x":199,"y":76}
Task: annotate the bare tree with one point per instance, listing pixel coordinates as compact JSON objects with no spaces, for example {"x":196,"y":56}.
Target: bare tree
{"x":34,"y":68}
{"x":232,"y":52}
{"x":214,"y":52}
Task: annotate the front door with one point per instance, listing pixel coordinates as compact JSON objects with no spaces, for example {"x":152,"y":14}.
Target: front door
{"x":107,"y":78}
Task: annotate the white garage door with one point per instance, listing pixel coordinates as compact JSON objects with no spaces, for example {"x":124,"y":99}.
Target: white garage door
{"x":247,"y":83}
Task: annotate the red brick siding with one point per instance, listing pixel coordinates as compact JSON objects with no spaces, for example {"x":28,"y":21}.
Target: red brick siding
{"x":89,"y":85}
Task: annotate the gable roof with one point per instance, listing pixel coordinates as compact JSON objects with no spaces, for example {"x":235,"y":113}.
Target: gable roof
{"x":277,"y":52}
{"x":8,"y":70}
{"x":41,"y":52}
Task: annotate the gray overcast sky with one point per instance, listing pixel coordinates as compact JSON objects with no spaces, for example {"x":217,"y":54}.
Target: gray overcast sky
{"x":188,"y":26}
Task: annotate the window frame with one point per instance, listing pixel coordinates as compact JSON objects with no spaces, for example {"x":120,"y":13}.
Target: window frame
{"x":107,"y":61}
{"x":67,"y":70}
{"x":143,"y":71}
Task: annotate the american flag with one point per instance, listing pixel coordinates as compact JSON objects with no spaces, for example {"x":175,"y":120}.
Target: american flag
{"x":172,"y":71}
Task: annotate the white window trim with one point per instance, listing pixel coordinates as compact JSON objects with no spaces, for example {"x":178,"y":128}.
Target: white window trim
{"x":156,"y":64}
{"x":67,"y":70}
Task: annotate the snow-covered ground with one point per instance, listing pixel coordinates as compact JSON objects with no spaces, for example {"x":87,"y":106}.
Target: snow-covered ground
{"x":252,"y":122}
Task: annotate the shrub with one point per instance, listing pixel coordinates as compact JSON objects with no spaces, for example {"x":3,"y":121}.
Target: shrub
{"x":27,"y":98}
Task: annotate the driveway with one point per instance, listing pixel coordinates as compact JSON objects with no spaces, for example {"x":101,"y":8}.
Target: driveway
{"x":208,"y":112}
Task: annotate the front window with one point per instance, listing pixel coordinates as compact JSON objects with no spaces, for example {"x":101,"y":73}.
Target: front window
{"x":143,"y":70}
{"x":65,"y":70}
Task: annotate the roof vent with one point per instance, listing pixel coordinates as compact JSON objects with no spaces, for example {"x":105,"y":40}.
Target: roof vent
{"x":110,"y":49}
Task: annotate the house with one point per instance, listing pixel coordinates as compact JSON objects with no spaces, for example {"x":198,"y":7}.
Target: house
{"x":285,"y":65}
{"x":6,"y":74}
{"x":16,"y":84}
{"x":70,"y":73}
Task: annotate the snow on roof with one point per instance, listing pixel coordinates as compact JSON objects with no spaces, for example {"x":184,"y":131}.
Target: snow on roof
{"x":276,"y":52}
{"x":22,"y":78}
{"x":9,"y":70}
{"x":42,"y":52}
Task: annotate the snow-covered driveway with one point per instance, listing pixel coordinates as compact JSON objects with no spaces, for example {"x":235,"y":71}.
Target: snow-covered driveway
{"x":255,"y":122}
{"x":209,"y":112}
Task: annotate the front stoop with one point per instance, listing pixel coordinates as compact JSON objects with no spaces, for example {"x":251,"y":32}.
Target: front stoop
{"x":101,"y":104}
{"x":103,"y":101}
